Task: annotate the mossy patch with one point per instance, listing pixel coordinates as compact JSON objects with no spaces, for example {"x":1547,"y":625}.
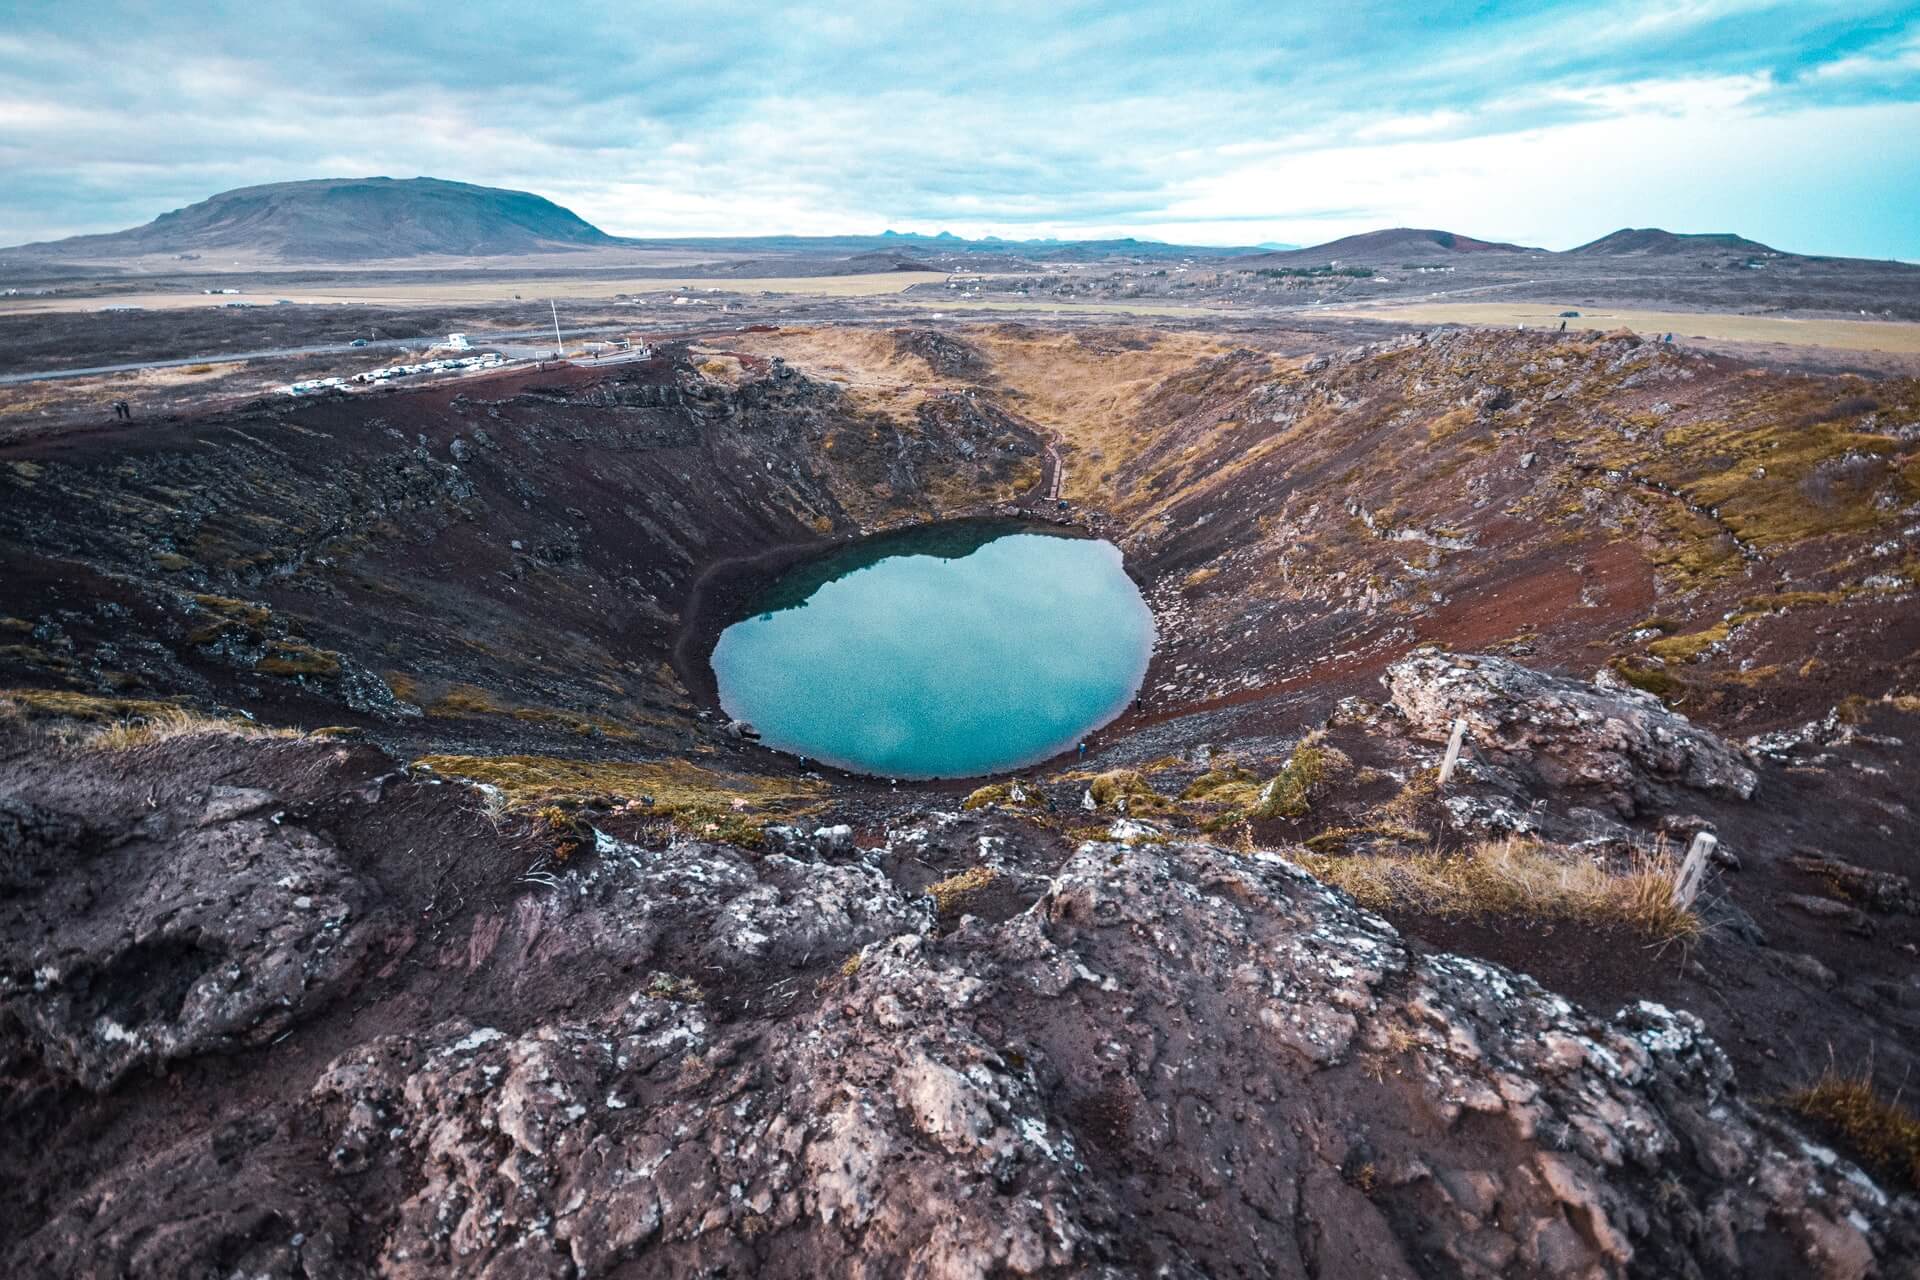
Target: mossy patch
{"x":1658,"y":681}
{"x":289,"y":658}
{"x":1687,"y":647}
{"x":950,"y":896}
{"x":1233,"y":794}
{"x":1005,"y":794}
{"x":1126,"y":791}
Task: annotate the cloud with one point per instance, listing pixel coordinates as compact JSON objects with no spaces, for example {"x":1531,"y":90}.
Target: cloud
{"x":1211,"y":121}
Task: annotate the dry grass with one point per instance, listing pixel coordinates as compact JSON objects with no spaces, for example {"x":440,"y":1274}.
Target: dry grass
{"x":118,"y":724}
{"x":466,"y":700}
{"x":1882,"y":1133}
{"x":697,"y":801}
{"x":178,"y":722}
{"x":1517,"y":877}
{"x":1853,"y":335}
{"x":63,"y":704}
{"x":1088,"y":394}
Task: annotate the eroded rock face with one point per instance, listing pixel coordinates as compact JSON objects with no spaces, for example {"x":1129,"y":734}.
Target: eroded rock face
{"x":698,"y":1059}
{"x":1620,"y":740}
{"x":209,"y":927}
{"x":1181,"y":1061}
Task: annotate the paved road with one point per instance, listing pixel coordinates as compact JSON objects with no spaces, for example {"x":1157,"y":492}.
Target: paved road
{"x":481,"y":342}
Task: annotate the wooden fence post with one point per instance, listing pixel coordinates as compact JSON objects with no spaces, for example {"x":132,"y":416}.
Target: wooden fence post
{"x":1693,"y":871}
{"x":1453,"y":750}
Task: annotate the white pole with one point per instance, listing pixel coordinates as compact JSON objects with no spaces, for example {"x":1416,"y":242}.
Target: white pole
{"x":1453,"y":750}
{"x":1693,"y":872}
{"x":559,"y":347}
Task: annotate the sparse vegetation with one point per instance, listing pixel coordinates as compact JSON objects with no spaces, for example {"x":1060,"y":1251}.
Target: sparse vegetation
{"x":62,"y":704}
{"x":1516,"y":877}
{"x":1658,"y":681}
{"x":1234,"y":794}
{"x":1882,"y":1133}
{"x":951,"y":895}
{"x":288,"y":658}
{"x":1686,"y":648}
{"x":666,"y":986}
{"x":179,"y":722}
{"x":1310,"y":273}
{"x":228,"y":616}
{"x":1126,"y":791}
{"x":471,"y":700}
{"x":1006,"y":794}
{"x":697,"y":801}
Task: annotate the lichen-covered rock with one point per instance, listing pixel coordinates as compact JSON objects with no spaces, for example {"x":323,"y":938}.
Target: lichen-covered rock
{"x":1569,"y":732}
{"x":1181,"y":1061}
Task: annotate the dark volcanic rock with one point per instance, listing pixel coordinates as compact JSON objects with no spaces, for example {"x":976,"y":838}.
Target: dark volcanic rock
{"x":206,"y":928}
{"x":1180,"y":1061}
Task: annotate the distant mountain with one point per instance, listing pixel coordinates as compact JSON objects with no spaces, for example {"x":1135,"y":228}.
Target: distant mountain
{"x":349,"y":220}
{"x":947,"y":246}
{"x":1653,"y":242}
{"x":1397,"y":244}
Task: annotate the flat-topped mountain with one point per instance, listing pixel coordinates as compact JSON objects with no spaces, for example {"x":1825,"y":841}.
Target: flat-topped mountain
{"x":1654,"y":242}
{"x":350,"y":219}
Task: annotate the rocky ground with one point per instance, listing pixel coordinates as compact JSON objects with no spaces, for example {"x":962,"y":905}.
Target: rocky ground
{"x":368,"y":840}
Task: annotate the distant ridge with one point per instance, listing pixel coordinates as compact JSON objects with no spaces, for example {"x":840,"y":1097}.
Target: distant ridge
{"x":1392,"y":245}
{"x":1654,"y":242}
{"x":350,"y":220}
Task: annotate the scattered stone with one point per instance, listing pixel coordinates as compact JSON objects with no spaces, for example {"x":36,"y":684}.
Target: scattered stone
{"x":1828,"y":909}
{"x":1880,"y":891}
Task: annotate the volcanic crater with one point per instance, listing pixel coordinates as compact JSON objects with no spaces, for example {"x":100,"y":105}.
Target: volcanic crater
{"x":372,"y":840}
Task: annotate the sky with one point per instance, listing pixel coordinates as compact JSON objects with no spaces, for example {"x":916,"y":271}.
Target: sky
{"x":1797,"y":124}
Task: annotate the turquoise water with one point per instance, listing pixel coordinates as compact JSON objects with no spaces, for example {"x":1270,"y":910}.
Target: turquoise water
{"x":965,"y":654}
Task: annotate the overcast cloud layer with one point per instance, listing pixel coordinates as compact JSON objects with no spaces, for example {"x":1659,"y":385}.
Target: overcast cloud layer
{"x":1225,"y":123}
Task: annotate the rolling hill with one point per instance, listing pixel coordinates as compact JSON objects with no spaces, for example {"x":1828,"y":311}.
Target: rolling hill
{"x":1395,"y":244}
{"x":1653,"y":242}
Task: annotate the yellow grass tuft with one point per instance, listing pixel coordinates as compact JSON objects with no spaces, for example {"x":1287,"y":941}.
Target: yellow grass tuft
{"x":1884,"y":1134}
{"x":179,"y":722}
{"x":1517,"y":877}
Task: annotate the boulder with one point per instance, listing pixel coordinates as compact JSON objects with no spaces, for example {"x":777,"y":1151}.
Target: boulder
{"x":1568,"y":732}
{"x":212,"y":927}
